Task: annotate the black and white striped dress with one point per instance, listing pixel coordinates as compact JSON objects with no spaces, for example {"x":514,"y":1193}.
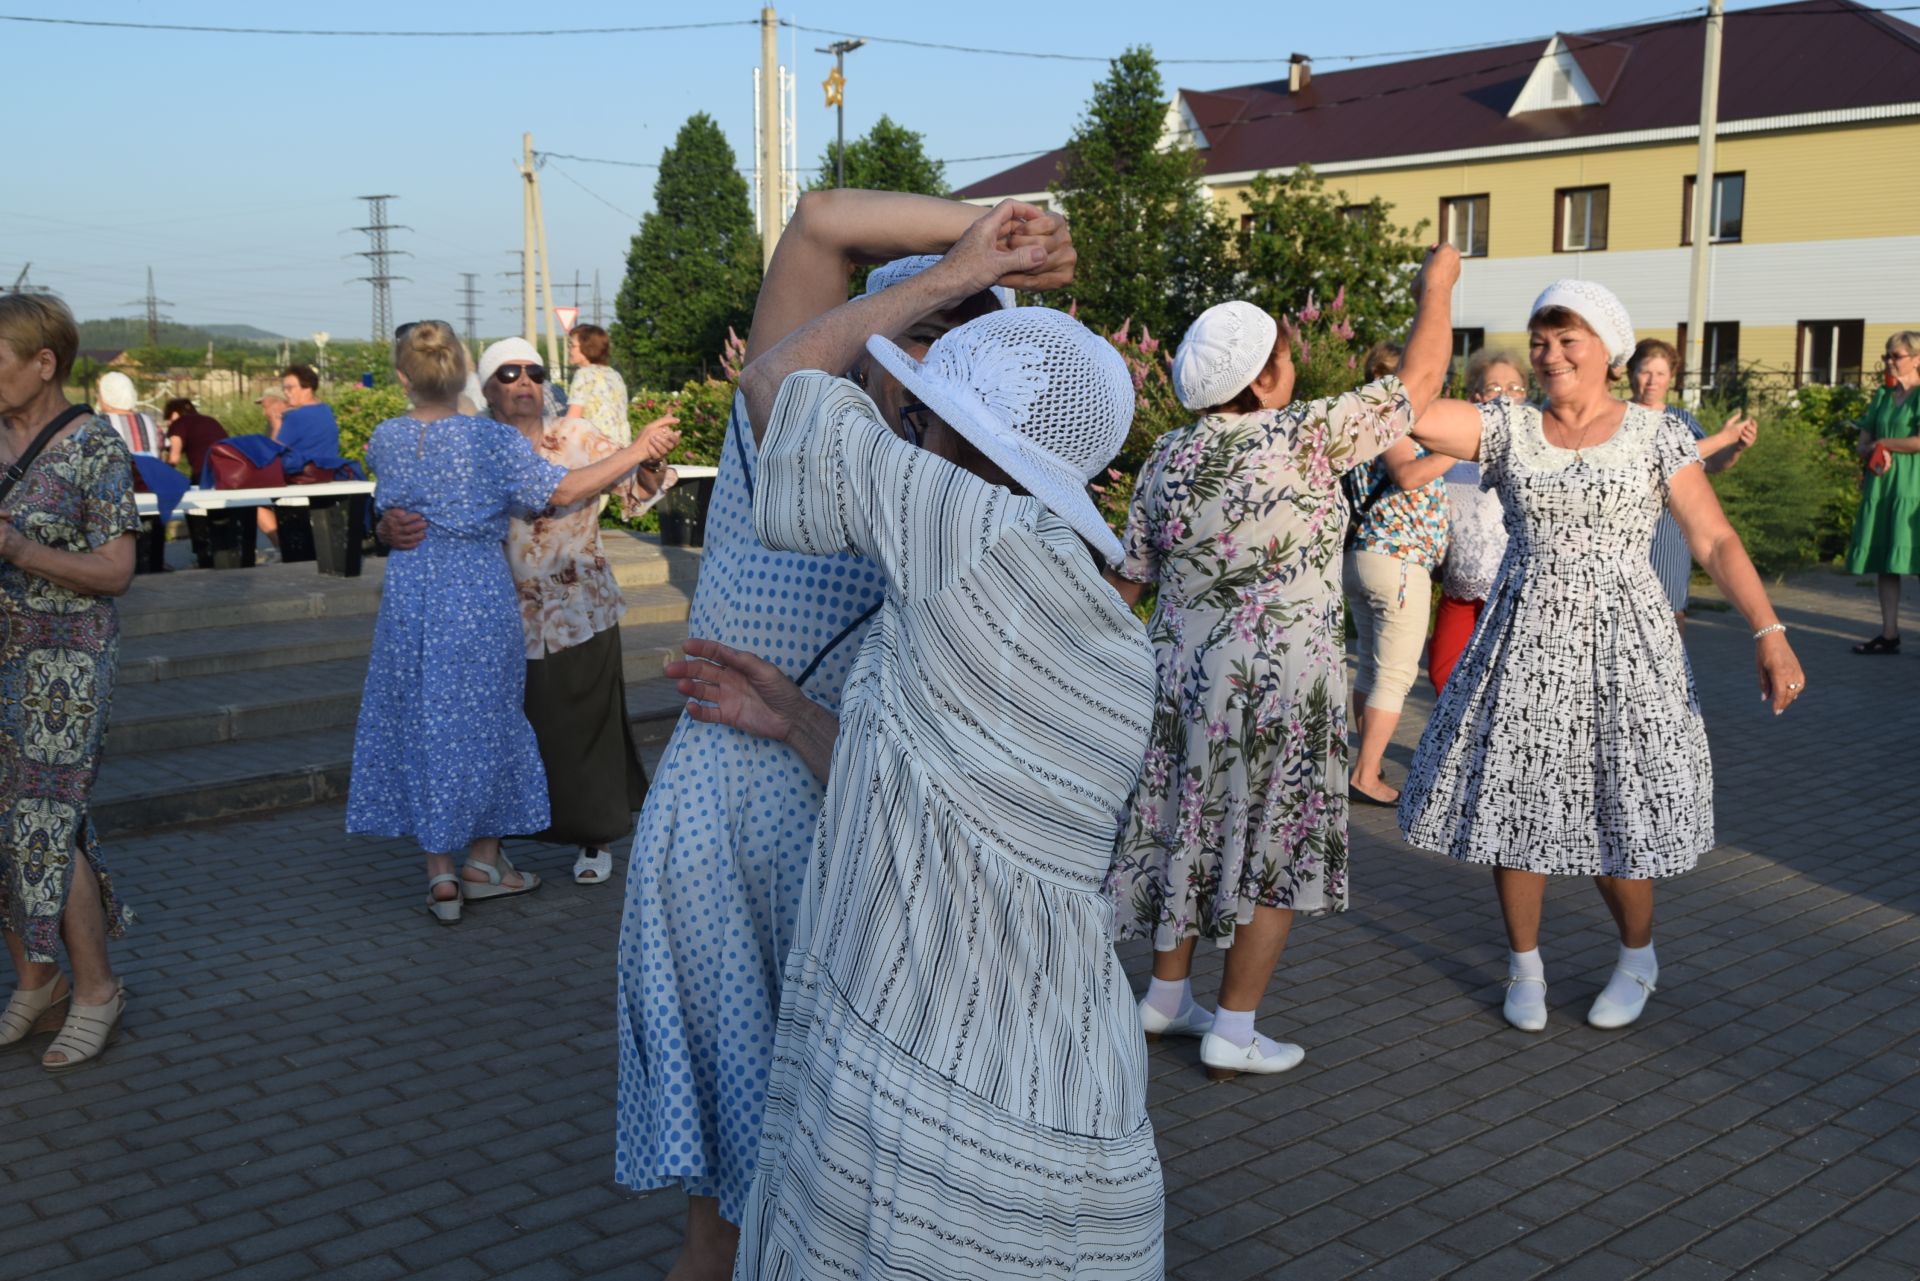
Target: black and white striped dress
{"x":959,"y":1079}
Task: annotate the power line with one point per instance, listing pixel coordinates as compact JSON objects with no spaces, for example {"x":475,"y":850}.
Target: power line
{"x":547,"y":155}
{"x":443,"y":34}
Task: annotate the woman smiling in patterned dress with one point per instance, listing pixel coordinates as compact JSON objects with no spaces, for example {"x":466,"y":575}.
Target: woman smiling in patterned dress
{"x":1240,"y":819}
{"x":1569,"y":740}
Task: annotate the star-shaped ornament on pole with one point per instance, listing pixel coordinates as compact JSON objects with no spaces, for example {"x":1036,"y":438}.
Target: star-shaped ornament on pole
{"x":835,"y":84}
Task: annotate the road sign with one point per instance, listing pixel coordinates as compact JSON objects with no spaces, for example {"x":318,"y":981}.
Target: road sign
{"x":566,"y":316}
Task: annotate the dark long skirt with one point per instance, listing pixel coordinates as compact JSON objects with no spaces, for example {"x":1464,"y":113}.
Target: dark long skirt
{"x":577,"y":702}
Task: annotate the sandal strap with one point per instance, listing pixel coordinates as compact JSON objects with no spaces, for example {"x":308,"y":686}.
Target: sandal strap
{"x":442,"y":878}
{"x":85,"y":1032}
{"x":492,"y":871}
{"x":24,"y":1008}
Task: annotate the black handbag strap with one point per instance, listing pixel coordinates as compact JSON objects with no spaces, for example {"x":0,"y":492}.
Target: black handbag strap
{"x":16,"y":471}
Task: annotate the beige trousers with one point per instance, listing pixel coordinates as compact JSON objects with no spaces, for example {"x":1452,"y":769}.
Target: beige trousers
{"x":1390,"y":599}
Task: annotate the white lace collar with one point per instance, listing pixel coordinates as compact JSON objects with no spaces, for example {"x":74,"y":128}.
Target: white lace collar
{"x":1624,"y":448}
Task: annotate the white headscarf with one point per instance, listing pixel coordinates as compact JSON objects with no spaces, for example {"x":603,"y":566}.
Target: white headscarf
{"x":1596,"y":304}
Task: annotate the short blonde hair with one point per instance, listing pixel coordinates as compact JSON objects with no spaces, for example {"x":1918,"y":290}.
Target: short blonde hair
{"x":1381,"y":359}
{"x":1907,"y":340}
{"x":33,"y":323}
{"x":435,"y":363}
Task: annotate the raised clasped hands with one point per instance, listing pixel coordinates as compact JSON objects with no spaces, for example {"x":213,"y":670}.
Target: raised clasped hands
{"x":1014,"y":244}
{"x":727,"y":686}
{"x":1438,"y":272}
{"x":1781,"y":680}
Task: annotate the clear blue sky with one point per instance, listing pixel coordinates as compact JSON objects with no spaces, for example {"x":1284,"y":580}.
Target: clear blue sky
{"x":230,"y":163}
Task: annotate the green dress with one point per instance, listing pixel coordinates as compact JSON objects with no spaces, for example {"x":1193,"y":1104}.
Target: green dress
{"x":1886,"y":533}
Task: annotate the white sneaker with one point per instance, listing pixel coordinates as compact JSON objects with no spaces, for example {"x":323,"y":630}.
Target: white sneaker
{"x":1519,"y":1009}
{"x":1225,"y":1060}
{"x":1195,"y":1020}
{"x":1610,"y":1010}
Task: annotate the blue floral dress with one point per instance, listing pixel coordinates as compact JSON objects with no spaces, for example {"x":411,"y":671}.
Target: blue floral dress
{"x":443,"y":752}
{"x":719,"y":856}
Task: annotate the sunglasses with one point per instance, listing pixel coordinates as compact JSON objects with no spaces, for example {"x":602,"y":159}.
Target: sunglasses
{"x":510,"y":374}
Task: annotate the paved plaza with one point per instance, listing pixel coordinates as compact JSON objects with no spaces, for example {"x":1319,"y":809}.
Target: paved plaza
{"x":314,"y":1080}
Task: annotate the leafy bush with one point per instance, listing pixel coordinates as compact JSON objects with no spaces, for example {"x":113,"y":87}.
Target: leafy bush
{"x":359,"y":410}
{"x":1792,"y":496}
{"x":703,"y":408}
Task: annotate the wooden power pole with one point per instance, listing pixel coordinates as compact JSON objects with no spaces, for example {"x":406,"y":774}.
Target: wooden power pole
{"x":1692,"y":364}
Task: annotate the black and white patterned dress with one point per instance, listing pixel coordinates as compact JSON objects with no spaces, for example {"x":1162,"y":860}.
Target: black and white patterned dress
{"x":958,"y":1088}
{"x":1569,"y":739}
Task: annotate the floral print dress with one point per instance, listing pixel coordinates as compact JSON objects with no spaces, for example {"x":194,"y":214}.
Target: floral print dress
{"x":602,"y":396}
{"x":58,"y":649}
{"x":1242,"y":802}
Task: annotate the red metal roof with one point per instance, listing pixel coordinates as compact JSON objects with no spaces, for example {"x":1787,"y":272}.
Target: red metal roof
{"x":1787,"y":59}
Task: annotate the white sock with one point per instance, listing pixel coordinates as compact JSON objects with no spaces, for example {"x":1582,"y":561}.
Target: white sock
{"x":1168,"y":996}
{"x":1236,"y":1026}
{"x":1621,"y":988}
{"x":1527,"y":996}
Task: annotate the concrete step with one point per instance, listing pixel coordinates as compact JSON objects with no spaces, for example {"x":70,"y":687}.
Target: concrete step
{"x":251,"y":647}
{"x":198,"y":711}
{"x":142,"y":791}
{"x":194,"y":599}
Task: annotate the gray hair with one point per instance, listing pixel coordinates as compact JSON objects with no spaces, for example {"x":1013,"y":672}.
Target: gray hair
{"x":1485,"y":359}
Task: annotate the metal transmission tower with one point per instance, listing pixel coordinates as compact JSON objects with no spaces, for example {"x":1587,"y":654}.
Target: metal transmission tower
{"x":21,"y":285}
{"x":470,"y":301}
{"x":377,"y":257}
{"x":153,"y":303}
{"x":515,"y":291}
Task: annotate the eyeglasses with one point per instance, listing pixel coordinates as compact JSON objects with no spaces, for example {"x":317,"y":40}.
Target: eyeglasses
{"x":910,"y":427}
{"x":1507,"y":389}
{"x":510,"y":374}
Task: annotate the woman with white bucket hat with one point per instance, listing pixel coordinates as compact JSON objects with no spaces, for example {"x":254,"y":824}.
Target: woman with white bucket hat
{"x":1568,"y":741}
{"x":959,"y":1083}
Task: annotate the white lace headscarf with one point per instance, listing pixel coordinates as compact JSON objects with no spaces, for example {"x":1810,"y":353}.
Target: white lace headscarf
{"x":1596,"y":304}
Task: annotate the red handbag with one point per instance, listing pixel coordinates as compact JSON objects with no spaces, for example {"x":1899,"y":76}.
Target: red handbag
{"x":234,"y":470}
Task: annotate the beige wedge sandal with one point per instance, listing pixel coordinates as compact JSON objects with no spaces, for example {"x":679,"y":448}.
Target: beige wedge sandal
{"x":86,"y":1032}
{"x":444,"y":910}
{"x":495,"y":885}
{"x":30,"y":1013}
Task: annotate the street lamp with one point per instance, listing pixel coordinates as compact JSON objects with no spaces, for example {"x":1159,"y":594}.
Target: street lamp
{"x":836,"y":86}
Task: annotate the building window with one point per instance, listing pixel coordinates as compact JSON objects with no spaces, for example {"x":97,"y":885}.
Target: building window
{"x":1467,"y":341}
{"x":1829,"y":351}
{"x":1464,"y":221}
{"x":1356,"y":213}
{"x":1580,"y":219}
{"x":1728,"y":212}
{"x":1719,"y":356}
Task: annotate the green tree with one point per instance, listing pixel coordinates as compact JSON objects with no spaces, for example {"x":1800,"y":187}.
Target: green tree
{"x":891,"y":157}
{"x":694,"y":267}
{"x":1303,"y":243}
{"x":1155,"y":250}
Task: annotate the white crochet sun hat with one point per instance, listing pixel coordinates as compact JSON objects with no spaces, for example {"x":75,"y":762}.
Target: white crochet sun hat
{"x":116,"y":392}
{"x":1596,"y":304}
{"x":1223,"y":351}
{"x":508,"y":351}
{"x":1036,"y":391}
{"x":890,"y":274}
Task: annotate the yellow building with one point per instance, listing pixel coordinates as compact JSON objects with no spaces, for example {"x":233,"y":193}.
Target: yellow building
{"x":1577,"y":158}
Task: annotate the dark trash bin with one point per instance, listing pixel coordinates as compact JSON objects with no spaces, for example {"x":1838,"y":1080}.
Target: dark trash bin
{"x":296,"y":532}
{"x":339,"y":533}
{"x":683,"y":513}
{"x":224,"y":538}
{"x":150,"y":557}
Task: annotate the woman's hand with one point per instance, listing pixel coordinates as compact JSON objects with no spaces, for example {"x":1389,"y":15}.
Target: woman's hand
{"x":12,"y":541}
{"x":730,"y":687}
{"x":400,"y":529}
{"x":1781,"y":680}
{"x":989,"y":255}
{"x":1440,"y":272}
{"x":1049,"y":232}
{"x":658,"y":439}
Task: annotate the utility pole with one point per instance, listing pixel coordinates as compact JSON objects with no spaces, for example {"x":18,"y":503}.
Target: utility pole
{"x":768,"y":159}
{"x":516,"y":291}
{"x":470,"y":300}
{"x":152,"y":302}
{"x":544,"y":267}
{"x":377,"y":263}
{"x":1691,"y":364}
{"x":528,"y":263}
{"x":836,"y":87}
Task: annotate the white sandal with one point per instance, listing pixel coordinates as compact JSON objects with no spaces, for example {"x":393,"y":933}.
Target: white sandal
{"x":86,"y":1032}
{"x":495,"y":885}
{"x":31,"y":1012}
{"x":592,"y":866}
{"x":444,"y":910}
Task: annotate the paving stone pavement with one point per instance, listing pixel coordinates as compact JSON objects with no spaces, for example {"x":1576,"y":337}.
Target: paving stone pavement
{"x":316,"y":1081}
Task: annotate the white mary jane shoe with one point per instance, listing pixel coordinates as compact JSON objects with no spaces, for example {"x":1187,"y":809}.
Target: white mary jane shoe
{"x":1526,"y":1018}
{"x":1195,"y":1020}
{"x":1225,"y":1060}
{"x":1608,"y":1013}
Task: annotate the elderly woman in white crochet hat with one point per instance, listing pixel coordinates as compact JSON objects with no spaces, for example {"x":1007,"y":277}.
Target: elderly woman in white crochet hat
{"x":1569,"y":741}
{"x":959,"y":1084}
{"x":1240,"y":818}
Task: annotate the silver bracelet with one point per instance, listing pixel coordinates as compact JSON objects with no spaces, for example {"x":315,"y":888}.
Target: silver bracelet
{"x":1770,"y":627}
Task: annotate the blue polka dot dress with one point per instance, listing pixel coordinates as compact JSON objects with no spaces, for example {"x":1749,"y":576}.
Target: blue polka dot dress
{"x":719,"y":858}
{"x":443,"y":751}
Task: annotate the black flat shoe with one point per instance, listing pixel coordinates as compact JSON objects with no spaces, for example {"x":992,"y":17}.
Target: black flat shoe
{"x":1355,"y":794}
{"x":1878,"y":645}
